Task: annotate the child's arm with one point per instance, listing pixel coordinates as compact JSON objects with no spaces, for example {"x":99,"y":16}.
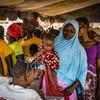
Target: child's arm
{"x":35,"y":57}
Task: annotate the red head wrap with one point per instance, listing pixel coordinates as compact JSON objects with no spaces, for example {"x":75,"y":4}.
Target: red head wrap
{"x":15,"y":30}
{"x":34,"y":21}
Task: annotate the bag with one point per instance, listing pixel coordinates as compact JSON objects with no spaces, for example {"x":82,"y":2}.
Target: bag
{"x":80,"y":95}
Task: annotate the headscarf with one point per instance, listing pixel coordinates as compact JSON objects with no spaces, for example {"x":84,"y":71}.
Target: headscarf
{"x":97,"y":31}
{"x":15,"y":30}
{"x":34,"y":21}
{"x":72,"y":57}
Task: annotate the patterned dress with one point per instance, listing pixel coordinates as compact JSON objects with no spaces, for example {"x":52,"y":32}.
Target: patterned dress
{"x":93,"y":53}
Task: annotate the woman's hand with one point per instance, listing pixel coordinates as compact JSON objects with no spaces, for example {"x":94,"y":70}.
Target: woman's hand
{"x":70,"y":89}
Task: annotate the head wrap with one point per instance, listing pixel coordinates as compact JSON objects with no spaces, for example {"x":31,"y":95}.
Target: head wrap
{"x":30,"y":25}
{"x":34,"y":21}
{"x":96,"y":30}
{"x":15,"y":30}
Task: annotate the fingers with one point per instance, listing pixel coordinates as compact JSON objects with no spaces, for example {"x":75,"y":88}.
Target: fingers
{"x":67,"y":92}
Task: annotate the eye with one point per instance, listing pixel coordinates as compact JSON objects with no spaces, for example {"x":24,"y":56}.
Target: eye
{"x":71,"y":30}
{"x":64,"y":32}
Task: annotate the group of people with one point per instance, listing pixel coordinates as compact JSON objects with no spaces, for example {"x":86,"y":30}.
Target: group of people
{"x":66,"y":61}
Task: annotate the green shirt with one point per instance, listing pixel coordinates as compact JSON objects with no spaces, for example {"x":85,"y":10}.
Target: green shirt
{"x":16,"y":50}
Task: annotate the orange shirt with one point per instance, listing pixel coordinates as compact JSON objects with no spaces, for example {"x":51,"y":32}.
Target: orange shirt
{"x":4,"y":52}
{"x":26,"y":44}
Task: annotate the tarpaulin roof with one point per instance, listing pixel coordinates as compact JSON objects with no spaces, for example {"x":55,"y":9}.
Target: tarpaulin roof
{"x":14,"y":8}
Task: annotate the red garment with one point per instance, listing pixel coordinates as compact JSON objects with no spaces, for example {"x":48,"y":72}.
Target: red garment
{"x":51,"y":61}
{"x":34,"y":21}
{"x":50,"y":58}
{"x":1,"y":98}
{"x":15,"y":30}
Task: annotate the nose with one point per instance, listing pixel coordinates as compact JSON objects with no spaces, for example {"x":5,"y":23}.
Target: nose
{"x":69,"y":33}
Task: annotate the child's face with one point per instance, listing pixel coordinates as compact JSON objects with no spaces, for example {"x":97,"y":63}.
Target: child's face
{"x":48,"y":45}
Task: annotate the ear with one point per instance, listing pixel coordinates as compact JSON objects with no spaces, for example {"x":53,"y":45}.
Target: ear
{"x":27,"y":76}
{"x":36,"y":73}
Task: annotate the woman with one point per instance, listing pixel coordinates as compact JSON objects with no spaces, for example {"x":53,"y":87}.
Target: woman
{"x":29,"y":38}
{"x":73,"y":61}
{"x":5,"y":55}
{"x":92,"y":48}
{"x":14,"y":32}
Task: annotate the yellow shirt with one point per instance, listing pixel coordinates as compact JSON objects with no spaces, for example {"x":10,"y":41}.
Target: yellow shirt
{"x":26,"y":44}
{"x":4,"y":52}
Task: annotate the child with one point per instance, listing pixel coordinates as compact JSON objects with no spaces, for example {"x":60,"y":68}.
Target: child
{"x":49,"y":59}
{"x":33,"y":49}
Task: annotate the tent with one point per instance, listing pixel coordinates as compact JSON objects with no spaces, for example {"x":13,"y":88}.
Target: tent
{"x":62,"y":9}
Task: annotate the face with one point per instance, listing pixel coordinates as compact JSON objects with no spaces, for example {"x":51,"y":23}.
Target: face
{"x":48,"y":45}
{"x":68,"y":31}
{"x":82,"y":29}
{"x":96,"y":37}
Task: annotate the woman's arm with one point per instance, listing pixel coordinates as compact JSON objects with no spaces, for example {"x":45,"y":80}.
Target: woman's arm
{"x":70,"y":89}
{"x":1,"y":67}
{"x":9,"y":64}
{"x":98,"y":78}
{"x":98,"y":71}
